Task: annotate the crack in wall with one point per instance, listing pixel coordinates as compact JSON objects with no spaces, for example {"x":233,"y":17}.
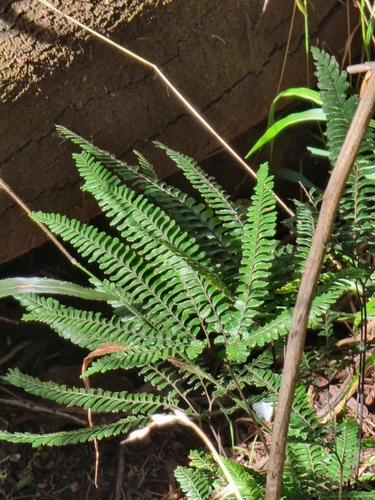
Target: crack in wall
{"x":55,"y":189}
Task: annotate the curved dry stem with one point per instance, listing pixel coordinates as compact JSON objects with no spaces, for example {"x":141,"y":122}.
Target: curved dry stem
{"x":184,"y":101}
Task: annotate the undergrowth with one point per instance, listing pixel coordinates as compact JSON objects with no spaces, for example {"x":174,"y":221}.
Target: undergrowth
{"x":202,"y":296}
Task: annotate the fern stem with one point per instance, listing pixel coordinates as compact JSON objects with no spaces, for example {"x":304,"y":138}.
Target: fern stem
{"x":174,"y":90}
{"x":251,"y":413}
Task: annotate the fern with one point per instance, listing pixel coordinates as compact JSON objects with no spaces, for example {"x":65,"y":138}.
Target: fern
{"x":306,"y":225}
{"x":195,"y":218}
{"x":258,"y":250}
{"x":92,"y":399}
{"x":84,"y":435}
{"x":207,"y":477}
{"x":195,"y":484}
{"x":198,"y":293}
{"x":356,"y":212}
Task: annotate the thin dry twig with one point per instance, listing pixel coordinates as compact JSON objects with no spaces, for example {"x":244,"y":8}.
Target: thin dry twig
{"x":171,"y":87}
{"x":30,"y":406}
{"x":308,"y":286}
{"x":14,"y":351}
{"x":26,"y":209}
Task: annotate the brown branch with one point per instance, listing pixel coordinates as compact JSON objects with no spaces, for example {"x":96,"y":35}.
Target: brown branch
{"x":308,"y":286}
{"x":37,"y":408}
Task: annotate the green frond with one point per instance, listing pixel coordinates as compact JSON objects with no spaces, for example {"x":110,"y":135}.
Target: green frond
{"x":64,"y":438}
{"x":195,"y":484}
{"x":305,"y":470}
{"x":338,"y":109}
{"x":319,"y":470}
{"x":250,"y":484}
{"x":104,"y":157}
{"x":162,"y":377}
{"x":306,"y":221}
{"x":197,"y":219}
{"x":344,"y":453}
{"x":211,"y":192}
{"x":140,"y":222}
{"x":91,"y":330}
{"x":327,"y":295}
{"x":84,"y":328}
{"x":258,"y":252}
{"x":146,"y":289}
{"x":199,"y":222}
{"x":156,"y":237}
{"x":192,"y":217}
{"x":94,"y":399}
{"x":357,"y":220}
{"x":182,"y":376}
{"x":263,"y":378}
{"x":135,"y":356}
{"x":304,"y":423}
{"x":259,"y":336}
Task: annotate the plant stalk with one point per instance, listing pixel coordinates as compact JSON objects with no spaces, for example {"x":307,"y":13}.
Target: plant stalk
{"x":297,"y":334}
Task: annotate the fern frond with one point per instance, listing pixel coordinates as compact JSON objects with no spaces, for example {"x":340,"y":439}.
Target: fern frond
{"x":338,"y":109}
{"x":357,"y":219}
{"x":304,"y":423}
{"x":258,"y":252}
{"x":198,"y":221}
{"x":64,"y":438}
{"x":250,"y":484}
{"x":192,"y":217}
{"x":91,"y":330}
{"x":184,"y":377}
{"x":263,"y":378}
{"x":195,"y":484}
{"x":305,"y":470}
{"x":158,"y":291}
{"x":306,"y":221}
{"x":355,"y":210}
{"x":211,"y":192}
{"x":138,"y":220}
{"x":135,"y":356}
{"x":276,"y":328}
{"x":156,"y":237}
{"x":94,"y":399}
{"x":344,"y":453}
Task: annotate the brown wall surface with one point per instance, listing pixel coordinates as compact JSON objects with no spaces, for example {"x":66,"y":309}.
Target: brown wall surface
{"x":225,"y":57}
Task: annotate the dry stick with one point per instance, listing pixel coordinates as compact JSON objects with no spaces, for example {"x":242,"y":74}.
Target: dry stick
{"x":24,"y":207}
{"x":308,"y":286}
{"x":174,"y":90}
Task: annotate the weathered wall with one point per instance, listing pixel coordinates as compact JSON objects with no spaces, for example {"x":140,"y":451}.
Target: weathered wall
{"x":224,"y":56}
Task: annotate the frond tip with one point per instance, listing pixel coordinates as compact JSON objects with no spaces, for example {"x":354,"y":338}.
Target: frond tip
{"x":258,"y":247}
